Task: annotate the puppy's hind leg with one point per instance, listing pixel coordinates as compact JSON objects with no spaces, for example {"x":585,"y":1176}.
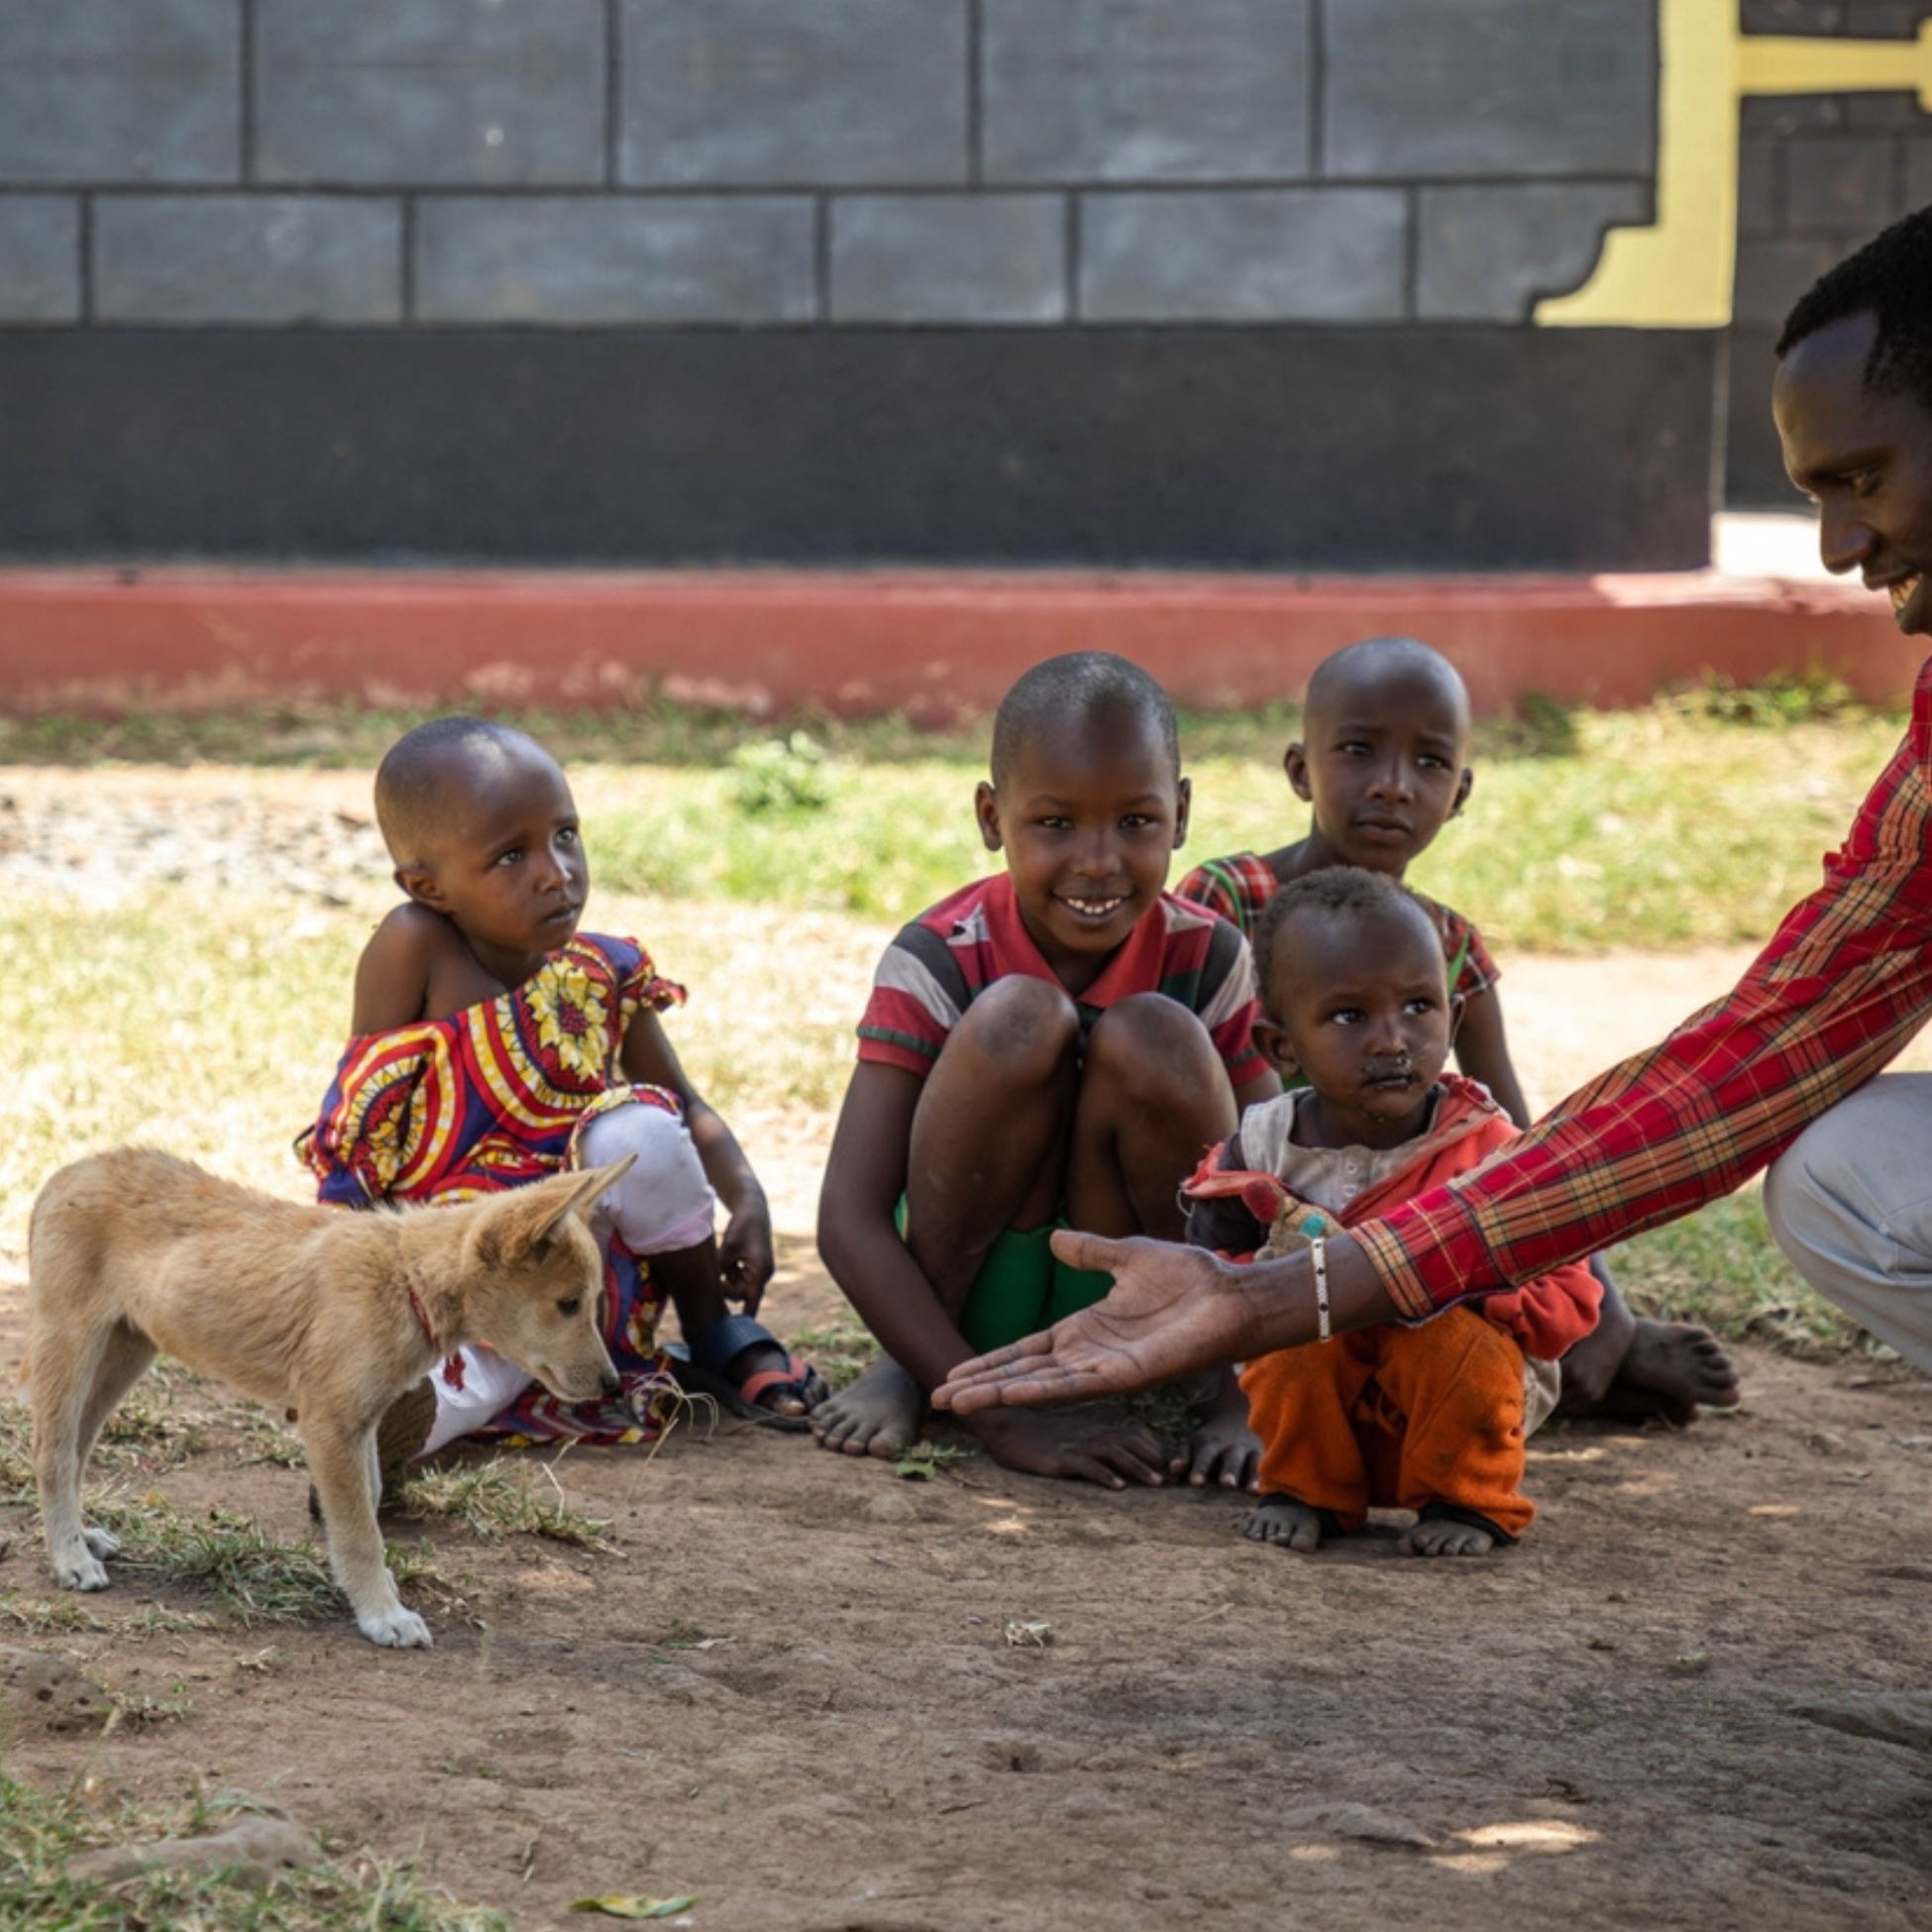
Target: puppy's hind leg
{"x":342,"y":1461}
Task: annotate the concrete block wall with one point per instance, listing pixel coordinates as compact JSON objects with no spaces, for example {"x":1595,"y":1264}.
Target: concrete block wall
{"x":1817,"y":175}
{"x":796,"y":162}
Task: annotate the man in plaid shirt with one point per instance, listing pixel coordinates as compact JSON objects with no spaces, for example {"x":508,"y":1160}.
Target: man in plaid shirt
{"x":1784,"y":1062}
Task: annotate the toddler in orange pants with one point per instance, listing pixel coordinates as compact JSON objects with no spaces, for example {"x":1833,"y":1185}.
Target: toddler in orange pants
{"x":1433,"y":1418}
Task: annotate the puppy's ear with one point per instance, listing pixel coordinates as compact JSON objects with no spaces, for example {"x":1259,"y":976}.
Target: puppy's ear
{"x":524,"y":1220}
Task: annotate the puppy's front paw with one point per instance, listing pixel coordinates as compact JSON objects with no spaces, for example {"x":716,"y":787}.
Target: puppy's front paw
{"x":79,"y":1571}
{"x":103,"y":1542}
{"x":396,"y":1628}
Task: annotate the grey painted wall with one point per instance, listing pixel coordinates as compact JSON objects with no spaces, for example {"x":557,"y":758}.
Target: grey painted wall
{"x":982,"y":163}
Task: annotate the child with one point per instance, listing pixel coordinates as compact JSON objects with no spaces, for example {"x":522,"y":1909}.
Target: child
{"x":494,"y":1043}
{"x":1383,"y":761}
{"x":1054,"y":1044}
{"x":1356,"y":1003}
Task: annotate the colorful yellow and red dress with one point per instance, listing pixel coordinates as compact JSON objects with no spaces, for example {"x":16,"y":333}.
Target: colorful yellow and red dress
{"x":492,"y":1096}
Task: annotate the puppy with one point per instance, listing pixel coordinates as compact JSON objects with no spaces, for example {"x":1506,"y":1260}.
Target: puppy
{"x":326,"y":1313}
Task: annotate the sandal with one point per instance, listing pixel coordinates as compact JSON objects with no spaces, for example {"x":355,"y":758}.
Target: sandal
{"x":703,"y":1364}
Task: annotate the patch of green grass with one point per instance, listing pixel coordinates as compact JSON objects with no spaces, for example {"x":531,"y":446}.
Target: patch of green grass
{"x":40,"y":1832}
{"x":492,"y":1501}
{"x":253,"y":1576}
{"x":925,"y":1460}
{"x":841,"y":1351}
{"x":1722,"y":1268}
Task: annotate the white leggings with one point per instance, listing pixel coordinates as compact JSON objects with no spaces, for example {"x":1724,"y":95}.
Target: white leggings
{"x":661,"y":1205}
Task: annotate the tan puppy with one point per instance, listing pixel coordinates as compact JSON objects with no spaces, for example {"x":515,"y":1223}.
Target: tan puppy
{"x":328,"y":1313}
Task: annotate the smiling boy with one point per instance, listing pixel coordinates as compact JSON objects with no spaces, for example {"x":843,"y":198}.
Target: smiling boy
{"x":1054,"y":1045}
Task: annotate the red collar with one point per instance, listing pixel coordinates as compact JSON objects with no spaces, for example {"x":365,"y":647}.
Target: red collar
{"x":453,"y":1364}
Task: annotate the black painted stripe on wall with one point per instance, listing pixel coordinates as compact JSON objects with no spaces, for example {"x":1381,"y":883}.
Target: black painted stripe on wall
{"x":1298,"y":449}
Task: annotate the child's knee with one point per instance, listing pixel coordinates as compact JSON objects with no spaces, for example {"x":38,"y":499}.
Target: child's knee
{"x":664,"y":1201}
{"x":1021,"y":1029}
{"x":1153,"y":1047}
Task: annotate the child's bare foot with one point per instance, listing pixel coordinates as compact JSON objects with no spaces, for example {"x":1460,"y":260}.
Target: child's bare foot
{"x":1223,"y":1451}
{"x":1670,"y":1368}
{"x":1088,"y":1445}
{"x":1444,"y":1536}
{"x":877,"y":1415}
{"x":1282,"y":1520}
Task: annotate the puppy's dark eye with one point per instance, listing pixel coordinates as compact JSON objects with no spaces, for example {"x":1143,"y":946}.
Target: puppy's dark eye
{"x":570,"y":1305}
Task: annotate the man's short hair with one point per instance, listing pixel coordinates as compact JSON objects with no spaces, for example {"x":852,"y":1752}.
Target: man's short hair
{"x":1079,"y":685}
{"x":1336,"y":890}
{"x":1891,"y":279}
{"x":410,"y":781}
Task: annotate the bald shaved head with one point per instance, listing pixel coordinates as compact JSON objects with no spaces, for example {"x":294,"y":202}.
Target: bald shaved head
{"x":428,"y":774}
{"x":1382,"y":663}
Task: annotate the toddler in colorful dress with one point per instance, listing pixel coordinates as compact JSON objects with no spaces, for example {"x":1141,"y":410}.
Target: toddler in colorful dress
{"x":494,"y":1043}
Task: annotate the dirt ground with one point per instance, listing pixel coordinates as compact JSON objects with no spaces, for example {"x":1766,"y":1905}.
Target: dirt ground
{"x":810,"y":1691}
{"x":1693,"y":1696}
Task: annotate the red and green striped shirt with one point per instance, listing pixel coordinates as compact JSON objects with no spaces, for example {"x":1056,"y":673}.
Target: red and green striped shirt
{"x":940,"y":963}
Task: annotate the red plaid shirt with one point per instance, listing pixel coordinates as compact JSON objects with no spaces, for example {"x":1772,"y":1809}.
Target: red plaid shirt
{"x":1840,"y":989}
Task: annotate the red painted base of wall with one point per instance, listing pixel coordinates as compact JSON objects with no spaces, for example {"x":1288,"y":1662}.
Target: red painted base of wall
{"x":936,"y":646}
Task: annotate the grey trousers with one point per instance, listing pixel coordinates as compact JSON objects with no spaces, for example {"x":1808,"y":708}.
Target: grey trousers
{"x":1850,"y":1202}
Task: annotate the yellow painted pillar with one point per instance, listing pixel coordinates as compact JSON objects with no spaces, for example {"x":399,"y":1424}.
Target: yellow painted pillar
{"x":1679,"y":273}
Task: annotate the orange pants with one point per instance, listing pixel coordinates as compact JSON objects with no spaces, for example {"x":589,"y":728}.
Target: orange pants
{"x":1395,"y":1416}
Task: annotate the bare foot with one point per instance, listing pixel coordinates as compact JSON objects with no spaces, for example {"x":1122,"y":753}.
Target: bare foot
{"x":877,"y":1415}
{"x":1670,"y":1368}
{"x":1282,"y":1520}
{"x":1444,"y":1536}
{"x":1088,"y":1445}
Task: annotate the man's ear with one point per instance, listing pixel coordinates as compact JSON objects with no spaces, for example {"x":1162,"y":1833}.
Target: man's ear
{"x":419,"y":882}
{"x":1294,"y":761}
{"x":1462,"y":790}
{"x":1272,"y":1041}
{"x":986,"y":808}
{"x":1183,"y":805}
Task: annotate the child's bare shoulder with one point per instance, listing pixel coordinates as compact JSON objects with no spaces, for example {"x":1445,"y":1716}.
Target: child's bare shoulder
{"x":398,"y":967}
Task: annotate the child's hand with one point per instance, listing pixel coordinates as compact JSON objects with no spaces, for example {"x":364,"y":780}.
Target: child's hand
{"x":1223,"y":1452}
{"x":745,"y":1259}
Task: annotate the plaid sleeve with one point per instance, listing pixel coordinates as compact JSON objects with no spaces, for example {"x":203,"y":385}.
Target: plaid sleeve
{"x":917,"y":995}
{"x":1207,"y":886}
{"x":1476,"y":971}
{"x":1842,"y":986}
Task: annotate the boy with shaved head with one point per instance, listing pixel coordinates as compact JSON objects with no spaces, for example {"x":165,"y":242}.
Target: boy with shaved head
{"x":1054,"y":1045}
{"x":1382,"y":763}
{"x":493,"y":1043}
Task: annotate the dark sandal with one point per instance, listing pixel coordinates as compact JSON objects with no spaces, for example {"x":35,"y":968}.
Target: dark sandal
{"x":702,"y":1370}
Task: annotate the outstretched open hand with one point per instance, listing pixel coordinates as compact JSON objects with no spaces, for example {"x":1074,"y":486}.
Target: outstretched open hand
{"x":1172,"y":1312}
